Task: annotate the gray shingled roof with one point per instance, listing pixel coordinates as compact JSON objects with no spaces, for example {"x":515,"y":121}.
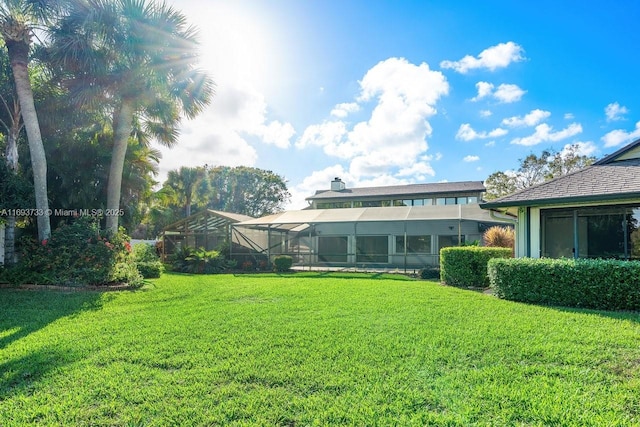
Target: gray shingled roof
{"x":616,"y":180}
{"x":400,"y":190}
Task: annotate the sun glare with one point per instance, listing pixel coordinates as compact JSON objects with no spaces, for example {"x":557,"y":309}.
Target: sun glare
{"x":238,"y":44}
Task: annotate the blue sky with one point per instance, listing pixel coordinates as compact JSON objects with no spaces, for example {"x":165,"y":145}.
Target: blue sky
{"x":393,"y":92}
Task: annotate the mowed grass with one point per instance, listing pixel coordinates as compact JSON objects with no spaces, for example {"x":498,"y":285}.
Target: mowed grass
{"x":311,"y":349}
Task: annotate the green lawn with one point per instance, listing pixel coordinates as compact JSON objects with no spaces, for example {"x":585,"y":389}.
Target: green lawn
{"x":311,"y":349}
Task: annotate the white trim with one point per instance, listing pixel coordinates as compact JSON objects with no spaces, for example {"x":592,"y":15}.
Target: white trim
{"x":534,"y":232}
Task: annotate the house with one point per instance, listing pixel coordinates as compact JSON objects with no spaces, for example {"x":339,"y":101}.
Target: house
{"x":378,"y":227}
{"x":591,"y":213}
{"x":442,"y":193}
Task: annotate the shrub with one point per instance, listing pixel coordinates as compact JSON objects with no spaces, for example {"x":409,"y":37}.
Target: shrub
{"x":76,"y":254}
{"x":200,"y":261}
{"x":147,"y":261}
{"x":587,"y":283}
{"x":499,"y":237}
{"x":150,"y":270}
{"x":466,"y":266}
{"x":432,"y":273}
{"x":282,"y":263}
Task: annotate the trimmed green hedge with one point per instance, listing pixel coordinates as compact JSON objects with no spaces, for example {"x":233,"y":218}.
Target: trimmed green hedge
{"x":586,"y":283}
{"x":466,"y":266}
{"x":282,"y":263}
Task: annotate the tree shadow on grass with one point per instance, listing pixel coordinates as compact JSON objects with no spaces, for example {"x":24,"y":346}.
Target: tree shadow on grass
{"x":345,"y":274}
{"x":21,"y":375}
{"x":24,"y":312}
{"x":633,"y":316}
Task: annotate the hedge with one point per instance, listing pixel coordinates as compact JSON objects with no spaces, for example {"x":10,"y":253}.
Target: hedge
{"x":466,"y":266}
{"x":282,"y":263}
{"x":585,"y":283}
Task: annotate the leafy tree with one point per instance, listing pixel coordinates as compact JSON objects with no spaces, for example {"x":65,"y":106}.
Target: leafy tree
{"x":246,"y":190}
{"x":535,"y":170}
{"x":18,"y":19}
{"x":136,"y":57}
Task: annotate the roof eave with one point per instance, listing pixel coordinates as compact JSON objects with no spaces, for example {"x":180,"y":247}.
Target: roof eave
{"x":621,"y":197}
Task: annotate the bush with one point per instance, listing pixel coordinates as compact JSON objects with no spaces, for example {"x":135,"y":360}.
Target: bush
{"x":282,"y":263}
{"x":466,"y":266}
{"x":200,"y":261}
{"x":147,"y":261}
{"x":586,"y":283}
{"x":76,"y":254}
{"x":150,"y":269}
{"x":499,"y":237}
{"x":431,"y":273}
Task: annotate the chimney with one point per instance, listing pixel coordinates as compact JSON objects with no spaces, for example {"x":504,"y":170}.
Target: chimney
{"x":337,"y":184}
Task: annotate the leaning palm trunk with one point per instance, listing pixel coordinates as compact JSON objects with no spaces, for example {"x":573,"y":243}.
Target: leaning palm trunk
{"x":18,"y":56}
{"x":122,"y":132}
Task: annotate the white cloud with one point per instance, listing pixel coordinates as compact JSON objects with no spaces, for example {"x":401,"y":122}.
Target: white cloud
{"x":467,"y":133}
{"x":343,"y":110}
{"x":470,"y":159}
{"x":498,"y":56}
{"x":420,"y":170}
{"x":584,"y":148}
{"x":202,"y":145}
{"x":544,"y":133}
{"x":615,"y":112}
{"x":531,"y":119}
{"x":569,"y":116}
{"x":505,"y":93}
{"x":619,"y":136}
{"x":327,"y":134}
{"x":485,"y":113}
{"x":490,"y":144}
{"x":278,"y":134}
{"x":243,"y":110}
{"x":508,"y":93}
{"x":484,"y":89}
{"x":393,"y":138}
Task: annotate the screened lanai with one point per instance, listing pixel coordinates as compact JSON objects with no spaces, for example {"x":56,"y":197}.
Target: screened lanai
{"x":207,"y":229}
{"x":380,"y":237}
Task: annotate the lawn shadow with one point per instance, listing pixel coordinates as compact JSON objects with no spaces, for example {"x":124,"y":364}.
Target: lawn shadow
{"x":346,"y":273}
{"x":22,"y":374}
{"x":633,"y":316}
{"x":24,"y":312}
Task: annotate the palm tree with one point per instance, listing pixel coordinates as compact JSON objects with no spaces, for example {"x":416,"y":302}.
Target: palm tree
{"x":18,"y":19}
{"x":138,"y":58}
{"x":11,"y":121}
{"x":184,"y":182}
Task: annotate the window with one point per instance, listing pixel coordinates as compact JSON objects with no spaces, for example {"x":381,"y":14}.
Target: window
{"x":472,"y":199}
{"x":440,"y":201}
{"x":372,"y":249}
{"x":415,"y":244}
{"x":461,"y":201}
{"x":418,"y":202}
{"x":333,"y":205}
{"x":449,"y":240}
{"x":332,"y":249}
{"x":598,"y":232}
{"x":371,"y":204}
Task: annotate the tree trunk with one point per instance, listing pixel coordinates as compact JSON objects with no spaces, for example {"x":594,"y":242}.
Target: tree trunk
{"x":122,"y":131}
{"x":18,"y":56}
{"x":12,"y":163}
